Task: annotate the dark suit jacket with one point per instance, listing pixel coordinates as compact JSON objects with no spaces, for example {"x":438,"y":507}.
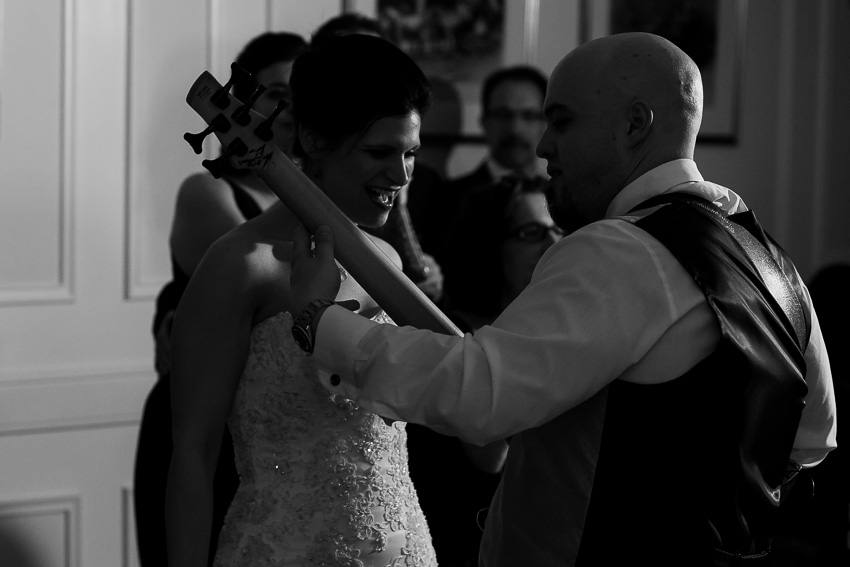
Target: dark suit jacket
{"x":453,"y":493}
{"x":434,"y":206}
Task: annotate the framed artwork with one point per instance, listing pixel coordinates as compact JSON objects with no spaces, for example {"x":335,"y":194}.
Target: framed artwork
{"x":711,"y":32}
{"x":457,"y":43}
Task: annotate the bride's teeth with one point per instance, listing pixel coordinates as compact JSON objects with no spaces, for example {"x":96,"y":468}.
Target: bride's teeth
{"x":382,"y":196}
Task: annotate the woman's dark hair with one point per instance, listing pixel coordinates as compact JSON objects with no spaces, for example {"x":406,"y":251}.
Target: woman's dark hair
{"x":263,"y":51}
{"x":473,"y":269}
{"x":345,"y":24}
{"x":514,"y":74}
{"x":343,"y":84}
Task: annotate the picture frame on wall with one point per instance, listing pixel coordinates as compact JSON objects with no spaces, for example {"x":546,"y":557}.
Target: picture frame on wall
{"x":712,"y":32}
{"x":457,"y":44}
{"x":505,"y":32}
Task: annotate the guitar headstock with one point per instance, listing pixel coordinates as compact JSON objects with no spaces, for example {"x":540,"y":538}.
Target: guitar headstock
{"x":246,"y":135}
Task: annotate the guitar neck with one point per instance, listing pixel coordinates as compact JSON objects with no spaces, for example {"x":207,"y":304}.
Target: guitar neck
{"x":405,"y":303}
{"x":247,"y":137}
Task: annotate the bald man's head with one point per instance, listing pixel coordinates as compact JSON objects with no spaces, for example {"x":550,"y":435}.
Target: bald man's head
{"x":644,"y":66}
{"x":625,"y":104}
{"x":649,"y":66}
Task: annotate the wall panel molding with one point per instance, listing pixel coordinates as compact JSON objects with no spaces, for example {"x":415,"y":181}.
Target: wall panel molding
{"x":40,"y":401}
{"x":530,"y":32}
{"x":217,"y":31}
{"x":162,"y":57}
{"x":43,"y":530}
{"x":59,"y":288}
{"x":129,"y":546}
{"x":823,"y":110}
{"x":785,"y":127}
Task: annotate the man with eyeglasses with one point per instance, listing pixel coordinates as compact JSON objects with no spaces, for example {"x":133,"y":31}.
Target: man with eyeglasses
{"x":465,"y":217}
{"x":512,"y":123}
{"x":485,"y":261}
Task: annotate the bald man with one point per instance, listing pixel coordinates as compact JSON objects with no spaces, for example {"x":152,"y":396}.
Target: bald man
{"x":662,"y":377}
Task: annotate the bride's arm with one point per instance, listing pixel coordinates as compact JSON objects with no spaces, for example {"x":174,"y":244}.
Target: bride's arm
{"x":210,"y":343}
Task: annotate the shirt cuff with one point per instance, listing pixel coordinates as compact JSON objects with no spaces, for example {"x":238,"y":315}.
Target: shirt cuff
{"x":337,"y":336}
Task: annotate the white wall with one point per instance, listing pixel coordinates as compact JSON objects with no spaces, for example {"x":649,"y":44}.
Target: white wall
{"x":788,"y":162}
{"x":92,"y":115}
{"x":91,"y":119}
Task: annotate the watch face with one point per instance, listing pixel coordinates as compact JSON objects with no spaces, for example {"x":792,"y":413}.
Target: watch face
{"x":302,"y":338}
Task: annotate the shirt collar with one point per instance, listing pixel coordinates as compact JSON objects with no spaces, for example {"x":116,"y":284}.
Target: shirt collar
{"x":673,"y":176}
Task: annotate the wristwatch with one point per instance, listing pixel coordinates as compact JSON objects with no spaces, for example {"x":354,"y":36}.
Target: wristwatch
{"x":302,"y":327}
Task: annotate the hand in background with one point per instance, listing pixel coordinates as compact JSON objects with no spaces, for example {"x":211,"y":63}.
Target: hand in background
{"x":432,"y":285}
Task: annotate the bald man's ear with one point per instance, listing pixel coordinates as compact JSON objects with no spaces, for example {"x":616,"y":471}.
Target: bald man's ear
{"x":640,"y":121}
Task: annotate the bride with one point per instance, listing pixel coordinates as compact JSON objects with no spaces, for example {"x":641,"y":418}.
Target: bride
{"x":322,"y":482}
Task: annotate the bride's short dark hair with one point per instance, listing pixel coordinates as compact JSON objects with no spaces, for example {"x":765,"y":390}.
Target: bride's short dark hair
{"x":343,"y":84}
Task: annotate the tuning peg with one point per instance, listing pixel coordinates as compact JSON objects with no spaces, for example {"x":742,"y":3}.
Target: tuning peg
{"x":216,"y":166}
{"x":242,"y":115}
{"x":264,"y":130}
{"x":221,"y":98}
{"x":218,"y":124}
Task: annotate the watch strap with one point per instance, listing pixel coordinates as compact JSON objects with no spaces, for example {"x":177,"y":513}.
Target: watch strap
{"x":302,"y":327}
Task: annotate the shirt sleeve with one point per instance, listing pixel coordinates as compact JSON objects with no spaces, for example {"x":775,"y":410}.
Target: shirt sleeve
{"x":597,"y":303}
{"x":816,"y":434}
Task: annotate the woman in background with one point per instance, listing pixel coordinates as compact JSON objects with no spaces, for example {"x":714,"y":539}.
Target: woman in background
{"x":206,"y":208}
{"x":497,"y":239}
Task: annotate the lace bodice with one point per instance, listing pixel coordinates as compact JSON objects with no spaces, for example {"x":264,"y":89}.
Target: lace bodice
{"x":322,"y":482}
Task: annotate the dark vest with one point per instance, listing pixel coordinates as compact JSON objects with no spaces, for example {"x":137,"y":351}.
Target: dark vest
{"x":668,"y":473}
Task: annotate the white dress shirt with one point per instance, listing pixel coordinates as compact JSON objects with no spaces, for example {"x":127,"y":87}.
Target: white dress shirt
{"x":607,"y":302}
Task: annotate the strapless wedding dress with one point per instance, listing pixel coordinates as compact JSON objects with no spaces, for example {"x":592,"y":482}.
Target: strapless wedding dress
{"x":322,"y":482}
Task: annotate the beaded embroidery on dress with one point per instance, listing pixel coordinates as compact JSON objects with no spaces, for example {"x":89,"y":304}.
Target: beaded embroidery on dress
{"x":322,"y":482}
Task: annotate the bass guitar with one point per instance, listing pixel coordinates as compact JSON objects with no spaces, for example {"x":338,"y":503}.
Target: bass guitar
{"x":247,"y":139}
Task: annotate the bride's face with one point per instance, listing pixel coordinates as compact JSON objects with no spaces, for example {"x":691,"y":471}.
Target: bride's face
{"x":366,"y":173}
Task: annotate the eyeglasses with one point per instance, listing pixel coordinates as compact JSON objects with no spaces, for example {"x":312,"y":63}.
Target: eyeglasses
{"x":534,"y":232}
{"x":507,"y":115}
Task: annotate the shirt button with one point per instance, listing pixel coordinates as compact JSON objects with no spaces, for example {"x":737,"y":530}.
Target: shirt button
{"x":335,"y":380}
